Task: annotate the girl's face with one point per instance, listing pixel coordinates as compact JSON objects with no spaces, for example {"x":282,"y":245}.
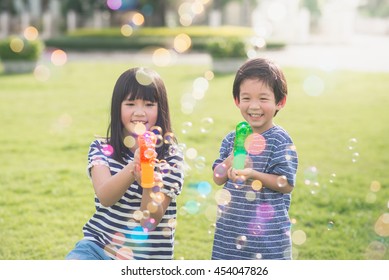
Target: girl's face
{"x":138,"y":111}
{"x":257,"y":104}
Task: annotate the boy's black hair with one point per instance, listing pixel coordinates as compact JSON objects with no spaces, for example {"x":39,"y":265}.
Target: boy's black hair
{"x":264,"y":70}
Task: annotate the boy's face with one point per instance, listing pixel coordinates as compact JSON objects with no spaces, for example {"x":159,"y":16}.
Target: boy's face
{"x":257,"y":104}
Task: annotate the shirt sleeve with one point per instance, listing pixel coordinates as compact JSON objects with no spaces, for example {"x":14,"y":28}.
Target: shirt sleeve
{"x":96,"y":156}
{"x":284,"y":160}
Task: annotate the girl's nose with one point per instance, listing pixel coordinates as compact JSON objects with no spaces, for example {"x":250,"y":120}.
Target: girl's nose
{"x":139,"y":111}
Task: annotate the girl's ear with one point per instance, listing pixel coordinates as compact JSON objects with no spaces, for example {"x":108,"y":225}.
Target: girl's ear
{"x":281,"y":103}
{"x":236,"y":102}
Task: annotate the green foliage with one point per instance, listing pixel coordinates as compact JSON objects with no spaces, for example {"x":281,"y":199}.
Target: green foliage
{"x":111,"y":38}
{"x":30,"y":51}
{"x":47,"y":127}
{"x":223,"y":48}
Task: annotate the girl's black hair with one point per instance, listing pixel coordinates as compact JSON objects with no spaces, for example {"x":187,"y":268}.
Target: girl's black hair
{"x":137,"y":83}
{"x":265,"y":71}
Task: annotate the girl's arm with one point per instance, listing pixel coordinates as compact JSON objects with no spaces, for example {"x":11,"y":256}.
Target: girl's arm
{"x":109,"y":189}
{"x":271,"y":181}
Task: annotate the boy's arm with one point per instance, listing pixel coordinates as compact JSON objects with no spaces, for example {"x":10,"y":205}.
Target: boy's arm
{"x":220,"y":173}
{"x":274,"y":182}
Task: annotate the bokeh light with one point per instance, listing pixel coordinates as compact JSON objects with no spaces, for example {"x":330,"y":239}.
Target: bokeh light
{"x":222,"y":197}
{"x":299,"y":237}
{"x":255,"y":143}
{"x":59,"y":57}
{"x":31,"y":33}
{"x":381,"y":226}
{"x":182,"y":42}
{"x":313,"y":85}
{"x":114,"y":4}
{"x":42,"y":73}
{"x":16,"y":44}
{"x":138,"y":19}
{"x":126,"y":30}
{"x":162,"y":57}
{"x":143,"y":78}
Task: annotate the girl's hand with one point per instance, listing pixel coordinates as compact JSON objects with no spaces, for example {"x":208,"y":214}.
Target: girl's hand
{"x":136,"y":166}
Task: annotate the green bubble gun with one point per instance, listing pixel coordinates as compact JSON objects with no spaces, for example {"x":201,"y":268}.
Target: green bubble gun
{"x":243,"y":130}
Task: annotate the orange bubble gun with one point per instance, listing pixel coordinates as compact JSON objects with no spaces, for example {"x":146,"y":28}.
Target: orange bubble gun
{"x":242,"y":130}
{"x":147,"y":142}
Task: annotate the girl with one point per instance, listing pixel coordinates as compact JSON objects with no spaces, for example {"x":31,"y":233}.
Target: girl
{"x":132,"y":222}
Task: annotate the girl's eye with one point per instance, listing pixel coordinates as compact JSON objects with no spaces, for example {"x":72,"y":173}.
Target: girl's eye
{"x":150,"y":104}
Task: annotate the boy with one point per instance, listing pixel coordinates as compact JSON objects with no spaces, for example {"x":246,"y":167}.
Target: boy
{"x":255,"y":223}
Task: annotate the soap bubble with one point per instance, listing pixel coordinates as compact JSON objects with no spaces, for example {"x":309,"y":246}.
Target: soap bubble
{"x":206,"y":125}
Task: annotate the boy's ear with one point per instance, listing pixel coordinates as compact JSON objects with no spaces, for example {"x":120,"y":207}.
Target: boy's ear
{"x":236,"y":102}
{"x":281,"y":103}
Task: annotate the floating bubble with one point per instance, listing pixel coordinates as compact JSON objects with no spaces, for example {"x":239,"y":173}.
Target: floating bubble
{"x":172,"y":223}
{"x":59,"y":57}
{"x":255,"y":143}
{"x":138,"y":215}
{"x":381,"y":226}
{"x":220,"y":170}
{"x":125,"y":253}
{"x":118,"y":238}
{"x":310,"y":175}
{"x":42,"y":73}
{"x":186,"y":127}
{"x":299,"y":237}
{"x":162,"y":57}
{"x":209,"y":75}
{"x":199,"y":162}
{"x":256,"y":185}
{"x":173,"y":150}
{"x":258,"y":256}
{"x":222,"y":197}
{"x":143,"y":78}
{"x":139,"y":128}
{"x":156,"y":130}
{"x":182,"y":42}
{"x":240,"y":242}
{"x":375,"y":186}
{"x":282,"y":181}
{"x":265,"y":212}
{"x":145,"y":214}
{"x":31,"y":33}
{"x":166,"y":232}
{"x":16,"y":44}
{"x":191,"y":153}
{"x":169,"y":138}
{"x":129,"y":141}
{"x":187,"y":103}
{"x":371,"y":197}
{"x":204,"y":188}
{"x":250,"y":196}
{"x":206,"y":125}
{"x":150,"y":153}
{"x":376,"y":250}
{"x":313,"y":85}
{"x":164,"y":167}
{"x":332,"y":178}
{"x":201,"y":84}
{"x":355,"y":157}
{"x":192,"y":206}
{"x":330,"y":225}
{"x":352,"y":143}
{"x":106,"y":149}
{"x":152,"y":207}
{"x":126,"y":30}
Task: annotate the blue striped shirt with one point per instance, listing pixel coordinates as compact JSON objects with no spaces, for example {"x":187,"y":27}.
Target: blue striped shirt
{"x":255,"y":223}
{"x":117,"y":229}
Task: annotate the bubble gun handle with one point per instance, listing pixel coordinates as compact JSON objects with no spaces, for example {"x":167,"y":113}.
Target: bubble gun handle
{"x":147,"y":142}
{"x":243,"y":130}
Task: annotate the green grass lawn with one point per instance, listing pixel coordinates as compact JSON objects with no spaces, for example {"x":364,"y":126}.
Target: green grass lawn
{"x":46,"y":129}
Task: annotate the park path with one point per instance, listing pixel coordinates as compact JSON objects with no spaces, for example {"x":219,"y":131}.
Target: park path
{"x":361,"y":53}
